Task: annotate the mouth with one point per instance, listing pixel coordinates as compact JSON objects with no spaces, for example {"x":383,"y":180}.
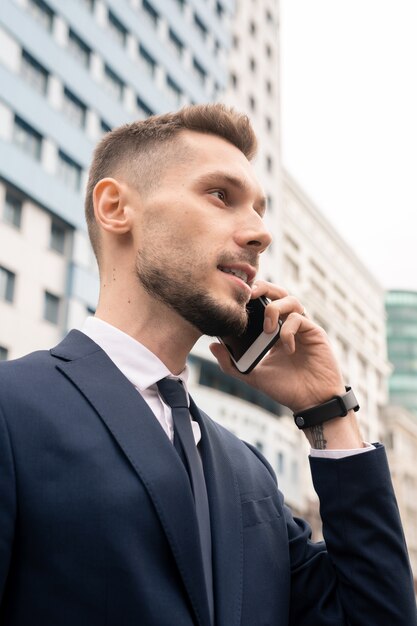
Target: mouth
{"x":244,"y":272}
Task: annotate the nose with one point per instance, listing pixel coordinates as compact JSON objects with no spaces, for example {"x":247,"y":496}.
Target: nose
{"x":255,"y":236}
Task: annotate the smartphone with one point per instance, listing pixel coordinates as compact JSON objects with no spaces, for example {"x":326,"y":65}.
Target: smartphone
{"x":247,"y":349}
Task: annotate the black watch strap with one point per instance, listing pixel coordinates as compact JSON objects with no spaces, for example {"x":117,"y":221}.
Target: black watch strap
{"x":338,"y":406}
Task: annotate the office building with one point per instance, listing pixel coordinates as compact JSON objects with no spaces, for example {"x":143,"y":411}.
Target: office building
{"x":401,"y":307}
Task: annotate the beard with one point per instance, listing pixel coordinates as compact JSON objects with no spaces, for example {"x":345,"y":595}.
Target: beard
{"x":176,"y":286}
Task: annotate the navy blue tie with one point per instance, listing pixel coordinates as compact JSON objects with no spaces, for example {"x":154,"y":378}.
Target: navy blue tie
{"x":175,"y":396}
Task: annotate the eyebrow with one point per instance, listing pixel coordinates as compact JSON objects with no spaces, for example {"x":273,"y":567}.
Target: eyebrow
{"x":220,"y":177}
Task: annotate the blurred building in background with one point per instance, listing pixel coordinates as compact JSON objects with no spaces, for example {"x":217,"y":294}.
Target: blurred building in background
{"x":70,"y":71}
{"x":401,"y":309}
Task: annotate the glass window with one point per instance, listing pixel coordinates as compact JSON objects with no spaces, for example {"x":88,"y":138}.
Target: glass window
{"x":4,"y":353}
{"x":112,"y":83}
{"x":199,"y":73}
{"x":147,"y":62}
{"x":34,"y":73}
{"x":41,"y":12}
{"x":252,"y":64}
{"x":79,"y":50}
{"x":51,"y":308}
{"x":252,"y":103}
{"x":105,"y":128}
{"x":269,"y":163}
{"x":252,"y":28}
{"x":69,"y":172}
{"x":117,"y":30}
{"x":27,"y":138}
{"x":143,"y":110}
{"x":58,"y":237}
{"x":219,"y":9}
{"x":7,"y":285}
{"x":173,"y":90}
{"x":201,"y":27}
{"x":12,"y":212}
{"x":176,"y":45}
{"x":280,"y":463}
{"x":74,"y":109}
{"x":150,"y":12}
{"x":180,"y":4}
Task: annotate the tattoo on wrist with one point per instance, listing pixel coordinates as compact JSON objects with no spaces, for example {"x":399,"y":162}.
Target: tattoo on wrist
{"x":317,"y":433}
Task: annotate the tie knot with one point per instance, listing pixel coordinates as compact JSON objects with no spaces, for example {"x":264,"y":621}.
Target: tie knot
{"x":173,"y":393}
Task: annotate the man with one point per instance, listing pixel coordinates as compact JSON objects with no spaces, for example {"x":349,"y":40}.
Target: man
{"x":102,"y":519}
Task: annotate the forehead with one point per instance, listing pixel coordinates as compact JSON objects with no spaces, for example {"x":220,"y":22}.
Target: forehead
{"x":210,"y":153}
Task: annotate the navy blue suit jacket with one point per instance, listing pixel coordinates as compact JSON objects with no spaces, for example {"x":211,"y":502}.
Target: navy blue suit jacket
{"x":97,"y":523}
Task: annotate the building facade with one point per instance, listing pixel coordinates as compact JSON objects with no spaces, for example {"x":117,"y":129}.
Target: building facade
{"x":401,"y":307}
{"x":70,"y":71}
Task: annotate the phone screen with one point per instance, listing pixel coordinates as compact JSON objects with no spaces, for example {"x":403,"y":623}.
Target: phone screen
{"x":239,"y":344}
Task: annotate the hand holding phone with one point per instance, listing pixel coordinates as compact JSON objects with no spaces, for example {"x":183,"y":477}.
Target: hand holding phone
{"x":247,"y":349}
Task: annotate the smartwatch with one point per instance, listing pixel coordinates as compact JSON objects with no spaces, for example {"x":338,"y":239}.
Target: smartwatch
{"x":338,"y":406}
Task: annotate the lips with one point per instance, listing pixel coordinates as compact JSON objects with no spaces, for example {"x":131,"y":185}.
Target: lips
{"x":245,"y":272}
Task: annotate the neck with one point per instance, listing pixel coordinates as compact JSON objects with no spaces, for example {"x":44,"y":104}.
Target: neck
{"x":160,"y":329}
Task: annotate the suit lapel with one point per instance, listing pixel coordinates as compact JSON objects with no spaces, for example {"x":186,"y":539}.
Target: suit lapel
{"x":148,"y":450}
{"x":226,"y":522}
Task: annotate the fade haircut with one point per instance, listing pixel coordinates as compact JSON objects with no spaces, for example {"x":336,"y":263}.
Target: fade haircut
{"x":138,"y":152}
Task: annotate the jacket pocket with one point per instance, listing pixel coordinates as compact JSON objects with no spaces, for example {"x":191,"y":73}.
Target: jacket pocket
{"x":259,"y":511}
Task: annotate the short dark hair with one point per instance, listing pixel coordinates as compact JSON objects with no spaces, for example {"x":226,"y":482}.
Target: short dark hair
{"x":134,"y":150}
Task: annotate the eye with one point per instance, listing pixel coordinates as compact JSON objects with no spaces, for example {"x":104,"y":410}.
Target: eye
{"x":219,"y":193}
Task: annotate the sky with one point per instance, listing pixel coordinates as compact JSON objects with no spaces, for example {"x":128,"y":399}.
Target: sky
{"x":349,"y":123}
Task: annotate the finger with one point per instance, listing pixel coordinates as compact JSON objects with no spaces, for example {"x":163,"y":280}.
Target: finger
{"x":223,"y":357}
{"x":292,"y":325}
{"x":281,"y":308}
{"x":271,"y":291}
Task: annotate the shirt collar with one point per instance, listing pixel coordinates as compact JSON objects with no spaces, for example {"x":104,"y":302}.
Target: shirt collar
{"x":141,"y":366}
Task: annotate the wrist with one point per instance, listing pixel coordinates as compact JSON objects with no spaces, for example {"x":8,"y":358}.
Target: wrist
{"x":334,"y":407}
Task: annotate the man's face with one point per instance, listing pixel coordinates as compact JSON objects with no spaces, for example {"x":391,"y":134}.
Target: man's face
{"x":200,"y":235}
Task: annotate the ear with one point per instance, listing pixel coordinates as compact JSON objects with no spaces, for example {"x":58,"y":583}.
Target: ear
{"x":110,"y":208}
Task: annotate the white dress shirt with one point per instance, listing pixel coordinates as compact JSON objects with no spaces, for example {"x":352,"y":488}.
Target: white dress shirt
{"x":144,"y":369}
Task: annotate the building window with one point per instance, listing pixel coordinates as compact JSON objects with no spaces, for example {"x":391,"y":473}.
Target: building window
{"x":180,"y":4}
{"x":268,"y":123}
{"x":268,"y":86}
{"x":252,"y":103}
{"x":252,"y":64}
{"x":69,"y":172}
{"x":233,"y":79}
{"x":150,"y":12}
{"x":201,"y":28}
{"x":280,"y":463}
{"x":41,"y":12}
{"x":235,"y":42}
{"x":268,"y":50}
{"x":27,"y":138}
{"x":12,"y":212}
{"x":7,"y":285}
{"x":269,"y":163}
{"x":291,"y":269}
{"x":79,"y":50}
{"x":252,"y":28}
{"x":174,"y":92}
{"x":57,"y":237}
{"x":51,"y":308}
{"x":4,"y":353}
{"x":176,"y":45}
{"x":74,"y":109}
{"x":259,"y":446}
{"x":34,"y":73}
{"x":147,"y":62}
{"x":143,"y":110}
{"x":199,"y":73}
{"x":113,"y":84}
{"x":117,"y":30}
{"x":105,"y":128}
{"x":219,"y":10}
